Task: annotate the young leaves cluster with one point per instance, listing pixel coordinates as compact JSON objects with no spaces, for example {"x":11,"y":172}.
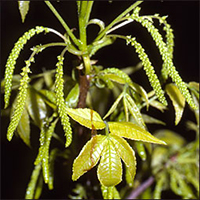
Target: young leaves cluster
{"x":109,"y":149}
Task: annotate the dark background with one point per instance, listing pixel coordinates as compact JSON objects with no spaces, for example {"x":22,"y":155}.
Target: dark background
{"x":16,"y":158}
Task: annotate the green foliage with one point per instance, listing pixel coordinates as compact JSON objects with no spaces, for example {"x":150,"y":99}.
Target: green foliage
{"x":23,"y":8}
{"x":45,"y":98}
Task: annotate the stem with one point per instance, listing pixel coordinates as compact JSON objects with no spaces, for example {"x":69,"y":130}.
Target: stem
{"x":88,"y":11}
{"x":118,"y":18}
{"x":57,"y":33}
{"x":85,"y":9}
{"x":135,"y":193}
{"x":84,"y":87}
{"x":69,"y":32}
{"x":82,"y":25}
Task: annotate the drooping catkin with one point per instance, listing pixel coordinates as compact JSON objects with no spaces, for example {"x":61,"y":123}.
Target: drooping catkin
{"x":153,"y":79}
{"x":169,"y":68}
{"x":21,"y":100}
{"x":59,"y":86}
{"x":11,"y":61}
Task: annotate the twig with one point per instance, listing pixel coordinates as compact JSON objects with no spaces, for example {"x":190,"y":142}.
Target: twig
{"x":141,"y":188}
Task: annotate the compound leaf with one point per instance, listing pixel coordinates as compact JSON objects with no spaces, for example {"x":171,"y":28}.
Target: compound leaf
{"x":86,"y":117}
{"x":110,"y":168}
{"x":178,"y":100}
{"x":88,"y":157}
{"x":132,"y":131}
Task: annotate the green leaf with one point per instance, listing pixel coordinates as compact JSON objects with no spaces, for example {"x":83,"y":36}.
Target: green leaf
{"x":114,"y":106}
{"x":159,"y":185}
{"x":178,"y":100}
{"x":126,"y":153}
{"x":23,"y":8}
{"x":110,"y":192}
{"x":158,"y":105}
{"x":134,"y":110}
{"x":23,"y":127}
{"x":139,"y":89}
{"x":171,"y":138}
{"x":115,"y":78}
{"x":133,"y":132}
{"x":89,"y":156}
{"x":86,"y":117}
{"x":151,"y":120}
{"x":179,"y":186}
{"x":36,"y":107}
{"x":72,"y":98}
{"x":110,"y":168}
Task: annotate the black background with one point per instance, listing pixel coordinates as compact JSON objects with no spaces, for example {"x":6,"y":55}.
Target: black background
{"x":16,"y":158}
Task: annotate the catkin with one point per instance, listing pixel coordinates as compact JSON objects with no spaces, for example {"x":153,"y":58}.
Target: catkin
{"x":153,"y":79}
{"x":10,"y":65}
{"x":21,"y":100}
{"x":169,"y":68}
{"x":59,"y":86}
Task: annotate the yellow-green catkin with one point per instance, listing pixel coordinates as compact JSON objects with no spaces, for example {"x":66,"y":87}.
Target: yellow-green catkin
{"x":153,"y":79}
{"x":169,"y":68}
{"x":45,"y":160}
{"x":10,"y":65}
{"x":21,"y":100}
{"x":59,"y":86}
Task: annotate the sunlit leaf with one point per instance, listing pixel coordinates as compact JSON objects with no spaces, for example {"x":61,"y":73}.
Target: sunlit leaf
{"x":23,"y":8}
{"x":110,"y":192}
{"x":133,"y":132}
{"x":126,"y":153}
{"x":134,"y":110}
{"x":36,"y":107}
{"x":114,"y":106}
{"x":139,"y":89}
{"x":156,"y":104}
{"x":72,"y":98}
{"x":178,"y":100}
{"x":23,"y":127}
{"x":89,"y":156}
{"x":110,"y":168}
{"x":86,"y":117}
